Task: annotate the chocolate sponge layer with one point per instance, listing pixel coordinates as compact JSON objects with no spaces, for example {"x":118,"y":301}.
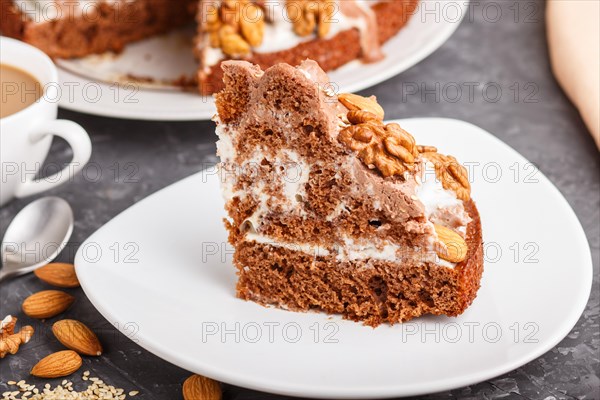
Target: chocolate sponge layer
{"x":371,"y":291}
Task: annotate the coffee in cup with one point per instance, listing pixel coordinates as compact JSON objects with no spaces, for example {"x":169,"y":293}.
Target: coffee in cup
{"x":18,"y":90}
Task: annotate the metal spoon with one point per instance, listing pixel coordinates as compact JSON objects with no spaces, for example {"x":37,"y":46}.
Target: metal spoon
{"x":37,"y":234}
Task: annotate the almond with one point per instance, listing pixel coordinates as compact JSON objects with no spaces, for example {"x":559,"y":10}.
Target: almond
{"x":454,"y":246}
{"x":354,"y":102}
{"x":58,"y":274}
{"x":47,"y":303}
{"x":77,"y":336}
{"x":57,"y":365}
{"x":198,"y":387}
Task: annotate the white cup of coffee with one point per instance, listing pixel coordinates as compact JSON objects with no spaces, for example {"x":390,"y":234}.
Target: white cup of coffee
{"x":28,"y":110}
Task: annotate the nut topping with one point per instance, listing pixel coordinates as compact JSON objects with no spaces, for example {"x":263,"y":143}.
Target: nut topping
{"x":361,"y":116}
{"x":383,"y":147}
{"x":235,"y":26}
{"x":389,"y":148}
{"x":426,"y":149}
{"x":453,"y":247}
{"x":252,"y":25}
{"x":451,"y":173}
{"x":354,"y":102}
{"x":310,"y":15}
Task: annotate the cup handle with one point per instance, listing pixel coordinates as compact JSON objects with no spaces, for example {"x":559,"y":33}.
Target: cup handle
{"x":79,"y":141}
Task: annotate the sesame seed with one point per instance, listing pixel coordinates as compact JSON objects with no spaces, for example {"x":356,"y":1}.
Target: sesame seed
{"x":98,"y":390}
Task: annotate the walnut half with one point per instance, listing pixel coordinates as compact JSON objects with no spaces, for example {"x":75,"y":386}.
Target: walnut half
{"x":9,"y":340}
{"x":310,"y":15}
{"x":451,"y":173}
{"x":388,"y":148}
{"x":235,"y":26}
{"x":391,"y":149}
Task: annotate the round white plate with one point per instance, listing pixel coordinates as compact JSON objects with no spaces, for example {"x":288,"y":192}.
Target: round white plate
{"x":162,"y":273}
{"x":88,"y":84}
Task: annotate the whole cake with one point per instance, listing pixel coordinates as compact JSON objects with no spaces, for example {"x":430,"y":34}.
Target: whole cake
{"x":265,"y":32}
{"x":332,"y":209}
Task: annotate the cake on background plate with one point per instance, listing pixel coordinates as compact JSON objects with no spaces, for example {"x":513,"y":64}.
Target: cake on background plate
{"x":264,"y":32}
{"x":331,"y":209}
{"x":76,"y":28}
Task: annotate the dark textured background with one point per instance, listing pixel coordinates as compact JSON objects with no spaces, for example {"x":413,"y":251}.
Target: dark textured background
{"x":540,"y":123}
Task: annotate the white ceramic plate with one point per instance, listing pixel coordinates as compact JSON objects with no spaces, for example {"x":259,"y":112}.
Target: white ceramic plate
{"x":88,"y":84}
{"x":161,"y":272}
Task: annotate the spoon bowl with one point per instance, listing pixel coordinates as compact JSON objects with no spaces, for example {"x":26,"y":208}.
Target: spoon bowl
{"x":36,"y":235}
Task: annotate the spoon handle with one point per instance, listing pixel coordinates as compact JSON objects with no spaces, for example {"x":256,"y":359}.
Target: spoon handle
{"x":3,"y":274}
{"x":6,"y":274}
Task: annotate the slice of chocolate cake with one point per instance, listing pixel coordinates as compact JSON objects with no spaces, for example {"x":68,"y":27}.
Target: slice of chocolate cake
{"x":332,"y":209}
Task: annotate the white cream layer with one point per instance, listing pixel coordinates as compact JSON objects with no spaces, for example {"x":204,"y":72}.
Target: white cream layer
{"x":437,"y":200}
{"x":431,"y":192}
{"x":355,"y":250}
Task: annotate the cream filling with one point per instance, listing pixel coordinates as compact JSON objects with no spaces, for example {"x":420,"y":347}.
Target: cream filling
{"x":354,"y":250}
{"x":341,"y":208}
{"x":431,"y":192}
{"x":226,"y":152}
{"x":438,"y":200}
{"x":314,"y":250}
{"x":291,"y":173}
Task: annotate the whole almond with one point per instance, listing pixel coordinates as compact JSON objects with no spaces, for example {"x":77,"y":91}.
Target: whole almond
{"x":354,"y":102}
{"x":47,"y":303}
{"x":58,"y":274}
{"x":455,"y":248}
{"x":77,"y":336}
{"x":57,"y":365}
{"x":198,"y":387}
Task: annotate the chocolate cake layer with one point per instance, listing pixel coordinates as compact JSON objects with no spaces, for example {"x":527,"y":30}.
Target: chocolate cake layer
{"x":372,"y":291}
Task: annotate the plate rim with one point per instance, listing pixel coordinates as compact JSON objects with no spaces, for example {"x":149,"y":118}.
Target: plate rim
{"x":388,"y":391}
